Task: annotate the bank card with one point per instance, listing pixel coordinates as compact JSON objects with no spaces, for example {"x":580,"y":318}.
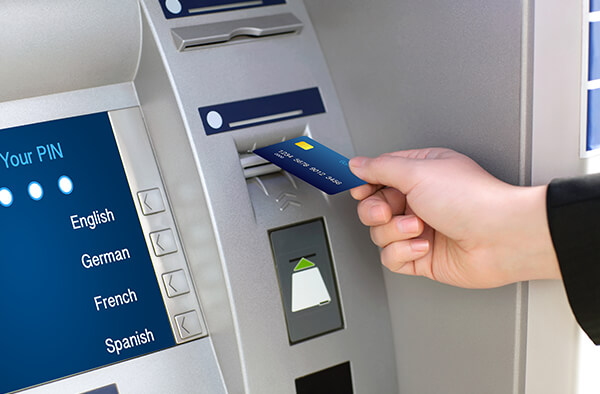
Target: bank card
{"x":312,"y":162}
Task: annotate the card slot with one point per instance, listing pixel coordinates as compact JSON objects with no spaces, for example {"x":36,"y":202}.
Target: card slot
{"x":260,"y":170}
{"x":254,"y":165}
{"x":250,"y":160}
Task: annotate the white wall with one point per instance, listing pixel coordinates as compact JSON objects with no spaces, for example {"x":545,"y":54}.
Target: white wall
{"x":560,"y":357}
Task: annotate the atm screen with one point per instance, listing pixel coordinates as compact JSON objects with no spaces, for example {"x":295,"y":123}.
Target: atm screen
{"x":79,"y":290}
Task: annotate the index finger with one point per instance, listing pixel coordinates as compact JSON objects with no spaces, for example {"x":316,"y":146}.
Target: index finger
{"x":389,"y":170}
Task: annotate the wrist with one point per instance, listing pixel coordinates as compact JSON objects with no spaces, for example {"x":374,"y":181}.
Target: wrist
{"x":535,"y":257}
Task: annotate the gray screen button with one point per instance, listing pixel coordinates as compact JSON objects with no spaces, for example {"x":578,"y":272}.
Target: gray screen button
{"x":151,"y":201}
{"x":176,"y":283}
{"x":188,"y":324}
{"x":163,"y":242}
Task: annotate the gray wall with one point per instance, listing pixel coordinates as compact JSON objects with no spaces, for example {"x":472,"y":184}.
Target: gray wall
{"x":60,"y":46}
{"x":418,"y":73}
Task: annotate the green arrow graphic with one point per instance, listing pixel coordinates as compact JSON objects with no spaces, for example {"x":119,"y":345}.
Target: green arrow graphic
{"x":303,"y":264}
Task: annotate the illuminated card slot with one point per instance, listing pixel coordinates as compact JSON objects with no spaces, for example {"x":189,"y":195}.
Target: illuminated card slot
{"x":214,"y":8}
{"x":262,"y":119}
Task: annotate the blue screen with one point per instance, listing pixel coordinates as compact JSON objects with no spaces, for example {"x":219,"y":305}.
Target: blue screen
{"x":77,"y":286}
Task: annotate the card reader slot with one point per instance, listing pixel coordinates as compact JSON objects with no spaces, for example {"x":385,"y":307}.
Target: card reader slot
{"x":254,"y":165}
{"x":261,"y":170}
{"x":191,"y":37}
{"x":251,"y":160}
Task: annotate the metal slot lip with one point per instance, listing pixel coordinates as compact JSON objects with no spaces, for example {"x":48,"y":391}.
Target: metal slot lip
{"x":191,"y":37}
{"x":260,"y":170}
{"x":255,"y":166}
{"x":250,"y":160}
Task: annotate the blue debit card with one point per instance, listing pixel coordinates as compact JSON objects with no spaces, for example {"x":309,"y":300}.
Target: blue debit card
{"x":313,"y":163}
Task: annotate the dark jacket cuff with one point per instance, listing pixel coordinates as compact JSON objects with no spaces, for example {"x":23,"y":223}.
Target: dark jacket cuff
{"x":573,"y":207}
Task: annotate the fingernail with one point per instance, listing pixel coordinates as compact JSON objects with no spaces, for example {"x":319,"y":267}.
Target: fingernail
{"x":357,"y":162}
{"x":376,"y":213}
{"x":408,"y":225}
{"x":419,"y":245}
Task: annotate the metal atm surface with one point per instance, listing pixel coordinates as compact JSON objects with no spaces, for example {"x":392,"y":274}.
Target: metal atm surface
{"x":244,"y":210}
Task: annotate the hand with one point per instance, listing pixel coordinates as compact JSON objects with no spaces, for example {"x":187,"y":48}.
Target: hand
{"x":436,"y":213}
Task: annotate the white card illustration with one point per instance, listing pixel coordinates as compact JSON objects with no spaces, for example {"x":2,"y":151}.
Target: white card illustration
{"x":308,"y":287}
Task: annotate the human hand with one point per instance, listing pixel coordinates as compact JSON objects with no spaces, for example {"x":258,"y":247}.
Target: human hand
{"x":436,"y":213}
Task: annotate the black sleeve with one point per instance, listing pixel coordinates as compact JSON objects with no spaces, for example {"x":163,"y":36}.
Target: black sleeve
{"x":573,"y":207}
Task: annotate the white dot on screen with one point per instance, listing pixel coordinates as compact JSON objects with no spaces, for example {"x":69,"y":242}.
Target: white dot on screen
{"x":35,"y":191}
{"x":65,"y":184}
{"x":174,"y":6}
{"x":214,"y":119}
{"x":6,"y":197}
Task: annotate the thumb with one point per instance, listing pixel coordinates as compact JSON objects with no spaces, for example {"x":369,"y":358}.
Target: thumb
{"x":387,"y":170}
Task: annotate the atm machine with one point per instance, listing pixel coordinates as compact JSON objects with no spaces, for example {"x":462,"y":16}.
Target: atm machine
{"x":145,"y":248}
